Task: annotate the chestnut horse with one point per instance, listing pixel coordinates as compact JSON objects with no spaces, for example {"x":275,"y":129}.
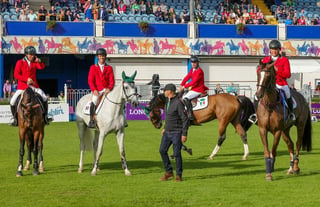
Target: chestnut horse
{"x":272,"y":117}
{"x":224,"y":107}
{"x":31,"y":130}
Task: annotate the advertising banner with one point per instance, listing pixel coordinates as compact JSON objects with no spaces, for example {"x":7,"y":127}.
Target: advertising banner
{"x":137,"y":113}
{"x":59,"y":112}
{"x":315,"y":110}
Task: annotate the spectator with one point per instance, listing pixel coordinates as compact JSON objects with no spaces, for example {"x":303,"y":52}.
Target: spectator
{"x":63,"y":3}
{"x":22,"y":16}
{"x":186,"y":15}
{"x":149,"y":8}
{"x":88,"y":9}
{"x":55,"y":2}
{"x":61,"y":16}
{"x":143,"y":8}
{"x":136,"y":8}
{"x":18,"y":4}
{"x":302,"y":13}
{"x":102,"y":14}
{"x":42,"y":13}
{"x":199,"y":16}
{"x":218,"y":89}
{"x":302,"y":21}
{"x":164,"y":8}
{"x":5,"y":6}
{"x":159,"y":14}
{"x":14,"y":86}
{"x":52,"y":14}
{"x":69,"y":17}
{"x":6,"y":89}
{"x":155,"y":7}
{"x":95,"y":8}
{"x":108,"y":6}
{"x":216,"y":19}
{"x":197,"y":4}
{"x":32,"y":16}
{"x":170,"y":14}
{"x":27,"y":10}
{"x":223,"y":20}
{"x":122,"y":7}
{"x":231,"y":89}
{"x":114,"y":7}
{"x":61,"y":97}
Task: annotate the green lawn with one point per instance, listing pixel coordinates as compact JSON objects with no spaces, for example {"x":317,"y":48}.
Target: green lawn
{"x":224,"y":181}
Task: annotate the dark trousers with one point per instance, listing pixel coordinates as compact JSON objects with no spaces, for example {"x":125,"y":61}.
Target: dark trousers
{"x":167,"y":140}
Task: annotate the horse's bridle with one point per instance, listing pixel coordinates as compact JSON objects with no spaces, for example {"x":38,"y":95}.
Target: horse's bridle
{"x":132,"y":85}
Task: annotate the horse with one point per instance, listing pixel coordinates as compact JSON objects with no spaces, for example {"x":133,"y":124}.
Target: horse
{"x":109,"y":119}
{"x":224,"y":107}
{"x":31,"y":130}
{"x":272,"y":118}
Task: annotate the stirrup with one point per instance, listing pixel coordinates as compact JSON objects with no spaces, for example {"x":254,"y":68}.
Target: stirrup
{"x":92,"y":124}
{"x":253,"y":118}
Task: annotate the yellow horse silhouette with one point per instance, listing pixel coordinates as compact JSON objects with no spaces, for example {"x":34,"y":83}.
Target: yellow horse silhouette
{"x":255,"y":48}
{"x":182,"y":48}
{"x":288,"y":46}
{"x":26,"y":43}
{"x":144,"y":47}
{"x":66,"y":43}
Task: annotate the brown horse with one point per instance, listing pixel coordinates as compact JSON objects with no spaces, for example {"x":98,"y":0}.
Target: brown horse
{"x":272,"y":117}
{"x":224,"y":107}
{"x":31,"y":130}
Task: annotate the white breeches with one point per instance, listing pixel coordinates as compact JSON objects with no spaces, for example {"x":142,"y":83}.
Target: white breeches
{"x":18,"y":92}
{"x":190,"y":95}
{"x":94,"y":99}
{"x":285,"y":89}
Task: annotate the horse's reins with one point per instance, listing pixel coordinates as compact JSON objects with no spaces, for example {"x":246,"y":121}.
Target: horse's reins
{"x":127,"y":97}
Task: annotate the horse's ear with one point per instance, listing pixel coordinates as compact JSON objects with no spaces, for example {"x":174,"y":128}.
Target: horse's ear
{"x":124,"y":77}
{"x":260,"y":62}
{"x":134,"y":75}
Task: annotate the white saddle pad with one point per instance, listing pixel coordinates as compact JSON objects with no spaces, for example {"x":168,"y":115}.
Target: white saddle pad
{"x":86,"y":109}
{"x":202,"y":103}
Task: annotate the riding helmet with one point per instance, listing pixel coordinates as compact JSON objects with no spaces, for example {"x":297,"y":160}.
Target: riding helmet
{"x":275,"y":44}
{"x":30,"y":50}
{"x":194,"y":58}
{"x":101,"y":51}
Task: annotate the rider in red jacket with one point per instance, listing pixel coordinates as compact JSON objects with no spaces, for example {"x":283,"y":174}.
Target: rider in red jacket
{"x":100,"y":80}
{"x":195,"y":86}
{"x":282,"y":68}
{"x":25,"y":73}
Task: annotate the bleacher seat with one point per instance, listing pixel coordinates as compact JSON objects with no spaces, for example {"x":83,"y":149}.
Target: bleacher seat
{"x":6,"y":17}
{"x":14,"y":17}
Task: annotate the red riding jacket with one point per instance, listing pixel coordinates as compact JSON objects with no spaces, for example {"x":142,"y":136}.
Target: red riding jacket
{"x":284,"y":72}
{"x":22,"y":72}
{"x":98,"y":80}
{"x":197,"y":81}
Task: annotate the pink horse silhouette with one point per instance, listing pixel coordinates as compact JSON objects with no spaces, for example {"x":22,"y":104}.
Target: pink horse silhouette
{"x":244,"y":47}
{"x":219,"y":47}
{"x":52,"y":45}
{"x":133,"y":46}
{"x":108,"y":45}
{"x":166,"y":46}
{"x":17,"y":46}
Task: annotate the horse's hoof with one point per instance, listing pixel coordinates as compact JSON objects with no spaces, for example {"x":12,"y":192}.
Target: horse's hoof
{"x":244,"y":158}
{"x":35,"y":172}
{"x":19,"y":174}
{"x":268,"y":177}
{"x":26,"y":168}
{"x":41,"y":170}
{"x":289,"y":172}
{"x":80,"y":170}
{"x":210,"y":158}
{"x":127,"y":173}
{"x":296,"y":172}
{"x":93,"y":173}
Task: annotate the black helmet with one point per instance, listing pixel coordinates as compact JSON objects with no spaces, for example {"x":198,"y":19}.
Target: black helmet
{"x":101,"y":51}
{"x":275,"y":44}
{"x":194,"y":58}
{"x":30,"y":50}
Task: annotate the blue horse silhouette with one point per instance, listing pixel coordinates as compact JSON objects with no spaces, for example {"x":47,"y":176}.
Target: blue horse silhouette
{"x":303,"y":48}
{"x":5,"y":45}
{"x":84,"y":45}
{"x":233,"y":47}
{"x":121,"y":46}
{"x":195,"y":49}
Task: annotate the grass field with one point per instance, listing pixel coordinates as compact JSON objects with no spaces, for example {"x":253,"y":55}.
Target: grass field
{"x":224,"y":181}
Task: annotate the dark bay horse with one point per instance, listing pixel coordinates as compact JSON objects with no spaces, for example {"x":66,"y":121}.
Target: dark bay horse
{"x":31,"y":130}
{"x":224,"y":107}
{"x":272,"y":117}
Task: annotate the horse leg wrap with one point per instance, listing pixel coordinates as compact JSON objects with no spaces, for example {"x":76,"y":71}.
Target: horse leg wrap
{"x":269,"y":165}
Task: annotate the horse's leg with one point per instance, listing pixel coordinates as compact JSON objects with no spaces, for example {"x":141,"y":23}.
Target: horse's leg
{"x":222,"y":136}
{"x":40,"y":147}
{"x":81,"y":134}
{"x":21,"y":153}
{"x":288,"y":141}
{"x":243,"y":136}
{"x":97,"y":154}
{"x":264,"y":138}
{"x":29,"y":159}
{"x":272,"y":158}
{"x":35,"y":153}
{"x":95,"y":146}
{"x":300,"y":133}
{"x":120,"y":140}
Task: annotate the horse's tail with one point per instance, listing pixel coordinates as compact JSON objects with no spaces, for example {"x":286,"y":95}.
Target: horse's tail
{"x":246,"y":109}
{"x":85,"y":136}
{"x":307,"y":135}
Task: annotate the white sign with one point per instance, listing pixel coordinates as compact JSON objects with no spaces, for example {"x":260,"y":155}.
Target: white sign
{"x":59,"y":112}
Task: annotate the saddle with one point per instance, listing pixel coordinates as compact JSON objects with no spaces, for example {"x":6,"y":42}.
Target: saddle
{"x":86,"y":109}
{"x":195,"y":100}
{"x":283,"y":100}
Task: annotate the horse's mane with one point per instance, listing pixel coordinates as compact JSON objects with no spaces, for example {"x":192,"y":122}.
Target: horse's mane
{"x":155,"y":101}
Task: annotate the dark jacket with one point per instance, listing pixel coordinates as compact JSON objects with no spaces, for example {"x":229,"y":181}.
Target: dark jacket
{"x":176,"y":117}
{"x":104,"y":15}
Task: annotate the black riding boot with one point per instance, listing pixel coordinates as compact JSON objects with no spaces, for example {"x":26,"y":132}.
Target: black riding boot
{"x":14,"y":116}
{"x":291,"y":115}
{"x":45,"y":114}
{"x":92,"y":123}
{"x":188,"y":104}
{"x":253,"y":117}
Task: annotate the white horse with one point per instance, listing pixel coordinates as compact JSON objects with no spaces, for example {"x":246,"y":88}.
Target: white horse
{"x":110,"y":118}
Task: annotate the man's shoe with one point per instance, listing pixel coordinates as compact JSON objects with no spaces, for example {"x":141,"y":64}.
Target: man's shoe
{"x":253,"y":118}
{"x":178,"y":179}
{"x":92,"y":124}
{"x":166,"y":176}
{"x":189,"y":151}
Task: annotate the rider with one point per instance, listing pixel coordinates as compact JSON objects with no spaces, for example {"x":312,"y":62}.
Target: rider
{"x":195,"y":86}
{"x":282,"y":68}
{"x":100,"y":80}
{"x":25,"y":73}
